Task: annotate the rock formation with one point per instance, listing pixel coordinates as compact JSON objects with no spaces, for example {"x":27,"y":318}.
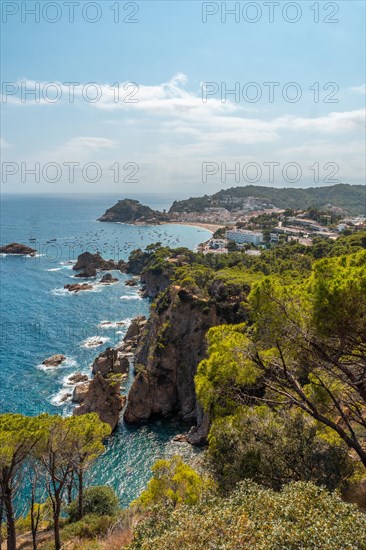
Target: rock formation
{"x":132,"y":211}
{"x":80,"y":392}
{"x":110,"y":361}
{"x":154,"y":282}
{"x":173,"y":345}
{"x":131,"y":282}
{"x":77,"y":287}
{"x":18,"y":249}
{"x":103,"y":397}
{"x":103,"y":393}
{"x":54,"y":361}
{"x":87,"y":260}
{"x":77,"y":378}
{"x":108,"y":279}
{"x":89,"y":271}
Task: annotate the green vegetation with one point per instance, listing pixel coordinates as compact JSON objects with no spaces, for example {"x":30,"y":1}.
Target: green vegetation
{"x":284,"y":386}
{"x":173,"y":483}
{"x":130,"y":211}
{"x":300,"y":516}
{"x":98,"y":500}
{"x":274,"y":448}
{"x":351,"y":198}
{"x":55,"y":452}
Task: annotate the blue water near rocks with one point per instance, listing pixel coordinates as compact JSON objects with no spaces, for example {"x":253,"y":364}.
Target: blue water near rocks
{"x":39,"y":318}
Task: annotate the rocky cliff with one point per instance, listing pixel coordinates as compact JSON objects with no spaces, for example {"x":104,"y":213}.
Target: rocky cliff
{"x":102,"y":394}
{"x":173,"y":345}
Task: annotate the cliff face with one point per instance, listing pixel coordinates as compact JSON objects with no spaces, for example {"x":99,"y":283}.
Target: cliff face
{"x":173,"y":345}
{"x":154,"y":282}
{"x":102,"y":394}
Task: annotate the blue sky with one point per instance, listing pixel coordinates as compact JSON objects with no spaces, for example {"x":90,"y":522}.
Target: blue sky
{"x":169,"y":132}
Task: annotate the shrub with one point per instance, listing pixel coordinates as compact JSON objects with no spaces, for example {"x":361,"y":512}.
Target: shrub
{"x":255,"y":518}
{"x":89,"y":527}
{"x":173,"y":482}
{"x":274,"y":448}
{"x":99,"y":500}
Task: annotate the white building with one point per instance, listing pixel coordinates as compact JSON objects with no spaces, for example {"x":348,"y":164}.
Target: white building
{"x":241,"y":236}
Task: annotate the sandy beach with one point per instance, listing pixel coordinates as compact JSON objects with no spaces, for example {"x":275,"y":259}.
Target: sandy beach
{"x":208,"y":226}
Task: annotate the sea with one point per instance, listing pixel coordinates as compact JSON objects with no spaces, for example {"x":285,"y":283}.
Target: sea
{"x":39,"y":318}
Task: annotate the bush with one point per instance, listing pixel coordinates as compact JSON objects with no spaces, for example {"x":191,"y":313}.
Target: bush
{"x":274,"y":448}
{"x":173,"y":482}
{"x":99,"y":500}
{"x":89,"y":527}
{"x":300,"y":516}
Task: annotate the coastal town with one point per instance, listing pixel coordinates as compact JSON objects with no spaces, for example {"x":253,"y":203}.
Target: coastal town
{"x":255,"y":226}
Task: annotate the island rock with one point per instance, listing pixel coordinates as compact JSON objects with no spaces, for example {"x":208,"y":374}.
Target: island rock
{"x":76,"y":287}
{"x":54,"y":361}
{"x":18,"y":249}
{"x":108,"y":279}
{"x":87,"y":261}
{"x":89,"y":271}
{"x":132,"y":211}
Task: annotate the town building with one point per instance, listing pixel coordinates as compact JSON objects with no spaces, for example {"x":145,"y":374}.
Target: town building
{"x":241,"y":236}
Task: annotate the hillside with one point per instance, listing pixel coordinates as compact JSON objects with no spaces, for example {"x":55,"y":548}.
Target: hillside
{"x":351,"y":198}
{"x":131,"y":211}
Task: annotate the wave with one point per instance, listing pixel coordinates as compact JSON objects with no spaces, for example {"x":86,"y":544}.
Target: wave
{"x":131,"y":297}
{"x":67,"y":383}
{"x":94,"y":341}
{"x":105,"y":325}
{"x":68,"y":363}
{"x":61,"y":292}
{"x":4,"y":254}
{"x":61,"y":398}
{"x":65,"y":291}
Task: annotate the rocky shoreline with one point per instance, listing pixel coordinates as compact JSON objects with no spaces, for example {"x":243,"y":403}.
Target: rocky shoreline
{"x":164,"y":350}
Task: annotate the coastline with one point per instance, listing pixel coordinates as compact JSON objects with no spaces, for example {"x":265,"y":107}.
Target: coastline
{"x":212,"y":227}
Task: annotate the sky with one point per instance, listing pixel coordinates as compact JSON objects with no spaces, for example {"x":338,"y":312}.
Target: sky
{"x":181,"y":96}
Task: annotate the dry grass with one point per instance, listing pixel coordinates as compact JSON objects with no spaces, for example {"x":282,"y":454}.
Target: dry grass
{"x":117,"y":541}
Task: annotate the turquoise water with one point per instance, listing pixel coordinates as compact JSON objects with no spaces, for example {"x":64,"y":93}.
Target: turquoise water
{"x":39,"y":318}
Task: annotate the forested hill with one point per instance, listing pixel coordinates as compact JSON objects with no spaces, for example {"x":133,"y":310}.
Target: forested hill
{"x":352,"y":198}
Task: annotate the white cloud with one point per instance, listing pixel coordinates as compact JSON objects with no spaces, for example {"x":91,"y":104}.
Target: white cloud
{"x":4,"y":144}
{"x":170,"y":131}
{"x":359,"y":89}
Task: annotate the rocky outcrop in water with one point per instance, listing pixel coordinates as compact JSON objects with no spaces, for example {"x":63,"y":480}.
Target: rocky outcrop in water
{"x":88,"y":272}
{"x":77,"y":287}
{"x":54,"y":361}
{"x":131,"y":282}
{"x":87,"y":260}
{"x":174,"y":343}
{"x":77,"y":378}
{"x":18,"y":249}
{"x":102,"y":396}
{"x":132,"y":211}
{"x":80,"y":392}
{"x":108,"y":279}
{"x":89,"y":264}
